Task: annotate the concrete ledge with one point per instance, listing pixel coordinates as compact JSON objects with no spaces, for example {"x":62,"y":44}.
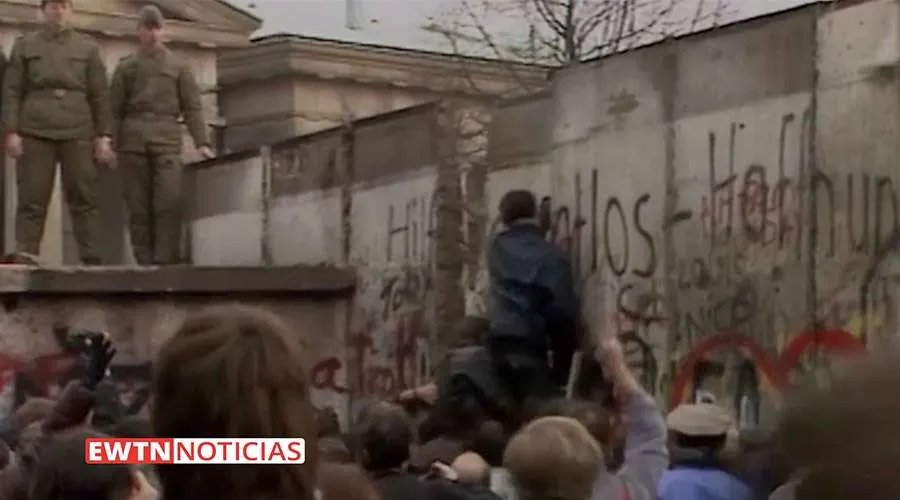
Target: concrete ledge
{"x":19,"y":279}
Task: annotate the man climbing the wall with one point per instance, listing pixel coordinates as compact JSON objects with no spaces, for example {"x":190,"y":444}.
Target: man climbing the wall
{"x":534,"y":307}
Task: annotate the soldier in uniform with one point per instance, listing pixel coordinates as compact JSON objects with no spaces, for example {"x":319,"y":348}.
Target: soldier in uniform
{"x":150,"y":91}
{"x":56,"y":110}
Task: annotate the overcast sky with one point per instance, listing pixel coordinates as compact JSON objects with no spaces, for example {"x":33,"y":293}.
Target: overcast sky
{"x":398,"y":22}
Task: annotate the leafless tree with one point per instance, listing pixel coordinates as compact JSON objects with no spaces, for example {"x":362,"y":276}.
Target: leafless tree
{"x":565,"y":32}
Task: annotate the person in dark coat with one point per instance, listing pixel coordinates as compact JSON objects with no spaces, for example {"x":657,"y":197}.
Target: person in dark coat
{"x":386,"y":435}
{"x":534,"y":307}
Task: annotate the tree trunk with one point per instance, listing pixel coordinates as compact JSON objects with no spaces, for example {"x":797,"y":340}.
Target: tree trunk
{"x":449,"y":258}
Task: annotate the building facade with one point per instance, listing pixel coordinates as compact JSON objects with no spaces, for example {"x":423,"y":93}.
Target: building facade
{"x":283,"y":86}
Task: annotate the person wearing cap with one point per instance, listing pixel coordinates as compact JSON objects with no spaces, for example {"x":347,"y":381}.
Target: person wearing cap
{"x":151,"y":91}
{"x":56,"y":110}
{"x":698,"y":436}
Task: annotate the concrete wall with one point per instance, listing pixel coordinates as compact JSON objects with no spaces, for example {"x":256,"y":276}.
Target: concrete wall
{"x":364,"y":199}
{"x":727,"y":200}
{"x":141,"y":308}
{"x":723,"y":202}
{"x":678,"y":167}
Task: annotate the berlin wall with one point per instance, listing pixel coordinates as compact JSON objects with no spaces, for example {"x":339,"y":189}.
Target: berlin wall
{"x":727,"y":200}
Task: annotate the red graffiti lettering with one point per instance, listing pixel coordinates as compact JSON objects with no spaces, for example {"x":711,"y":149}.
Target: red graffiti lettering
{"x":45,"y":371}
{"x":8,"y":369}
{"x":776,"y":369}
{"x":366,"y":375}
{"x":44,"y":376}
{"x":324,"y":375}
{"x":717,"y":209}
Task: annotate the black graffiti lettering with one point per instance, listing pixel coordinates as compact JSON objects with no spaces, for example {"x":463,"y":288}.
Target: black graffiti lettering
{"x":412,"y":223}
{"x":640,"y":359}
{"x":870,"y":210}
{"x":566,"y":234}
{"x":860,"y":242}
{"x":786,"y":121}
{"x":649,"y":268}
{"x":784,"y":224}
{"x":747,"y":398}
{"x":711,"y":206}
{"x":754,"y":203}
{"x":406,"y":287}
{"x":692,"y":324}
{"x":694,"y":274}
{"x":646,"y":310}
{"x":822,"y":185}
{"x":573,"y":241}
{"x":559,"y":228}
{"x":723,"y":315}
{"x":564,"y":226}
{"x":742,"y":307}
{"x":593,"y":219}
{"x":617,"y":268}
{"x":677,"y":218}
{"x":885,"y":203}
{"x":768,"y":207}
{"x":545,"y":214}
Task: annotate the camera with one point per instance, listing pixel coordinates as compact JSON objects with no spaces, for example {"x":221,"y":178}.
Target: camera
{"x":81,"y":340}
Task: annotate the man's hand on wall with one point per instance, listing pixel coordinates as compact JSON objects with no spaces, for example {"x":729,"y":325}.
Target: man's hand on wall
{"x":206,"y":152}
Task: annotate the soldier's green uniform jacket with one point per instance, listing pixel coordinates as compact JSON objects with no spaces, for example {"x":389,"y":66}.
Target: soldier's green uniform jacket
{"x":56,"y":88}
{"x":3,"y":63}
{"x":149,"y":92}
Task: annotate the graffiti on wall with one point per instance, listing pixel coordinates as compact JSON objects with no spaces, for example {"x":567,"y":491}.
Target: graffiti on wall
{"x":749,"y":203}
{"x":409,"y":230}
{"x":759,"y":204}
{"x":387,"y":349}
{"x":45,"y":376}
{"x":378,"y":367}
{"x":755,"y":369}
{"x":741,"y":245}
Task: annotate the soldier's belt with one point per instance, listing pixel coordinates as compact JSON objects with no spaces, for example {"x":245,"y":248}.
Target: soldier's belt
{"x":57,"y":93}
{"x":150,"y":115}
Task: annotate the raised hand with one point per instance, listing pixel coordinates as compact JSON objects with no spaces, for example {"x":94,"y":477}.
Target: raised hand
{"x":100,"y":352}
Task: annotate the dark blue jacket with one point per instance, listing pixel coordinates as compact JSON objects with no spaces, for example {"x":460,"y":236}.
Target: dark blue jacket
{"x":532,"y":292}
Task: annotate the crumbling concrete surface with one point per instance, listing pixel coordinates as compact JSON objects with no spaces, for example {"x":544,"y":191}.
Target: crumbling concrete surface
{"x":141,"y":307}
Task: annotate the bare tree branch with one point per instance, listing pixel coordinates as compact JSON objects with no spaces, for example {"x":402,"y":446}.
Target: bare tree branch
{"x":563,"y":32}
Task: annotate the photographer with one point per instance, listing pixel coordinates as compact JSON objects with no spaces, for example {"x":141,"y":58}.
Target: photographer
{"x":78,"y":402}
{"x":72,"y":408}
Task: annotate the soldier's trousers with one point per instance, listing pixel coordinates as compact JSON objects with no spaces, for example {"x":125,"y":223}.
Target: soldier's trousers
{"x":153,"y":194}
{"x":35,"y":173}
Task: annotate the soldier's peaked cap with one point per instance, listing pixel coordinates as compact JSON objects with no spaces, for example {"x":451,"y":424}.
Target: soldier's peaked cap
{"x":44,"y":3}
{"x":699,"y":420}
{"x":150,"y":16}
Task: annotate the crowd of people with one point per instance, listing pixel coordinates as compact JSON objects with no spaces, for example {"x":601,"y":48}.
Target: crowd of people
{"x":507,"y":417}
{"x":237,"y":371}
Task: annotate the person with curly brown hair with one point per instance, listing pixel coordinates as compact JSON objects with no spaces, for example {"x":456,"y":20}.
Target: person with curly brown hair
{"x":234,"y":372}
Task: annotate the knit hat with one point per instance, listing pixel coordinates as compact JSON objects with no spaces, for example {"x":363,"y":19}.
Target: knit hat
{"x":150,"y":17}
